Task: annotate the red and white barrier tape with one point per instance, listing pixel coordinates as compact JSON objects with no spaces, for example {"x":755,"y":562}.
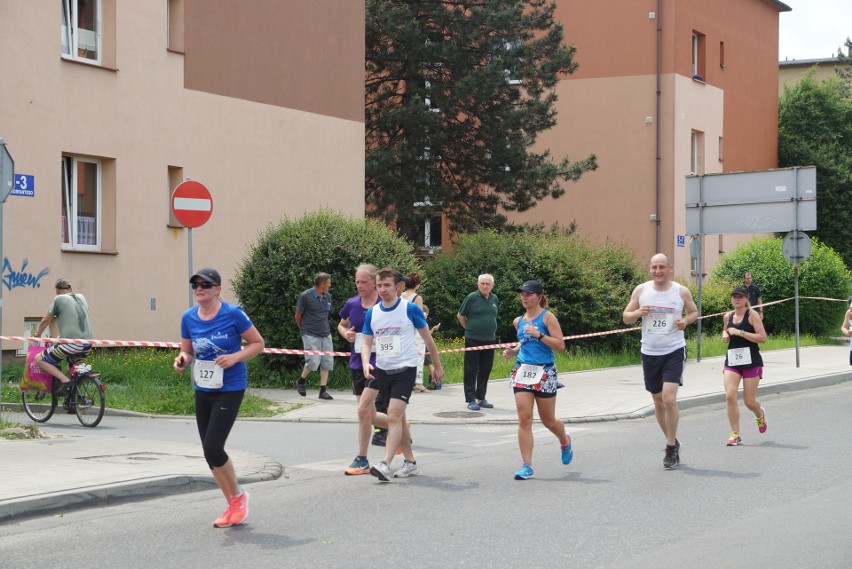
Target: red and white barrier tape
{"x":285,"y":351}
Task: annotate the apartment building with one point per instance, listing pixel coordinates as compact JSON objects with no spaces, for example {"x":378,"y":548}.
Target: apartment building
{"x":108,"y":105}
{"x":790,"y":71}
{"x":665,"y":88}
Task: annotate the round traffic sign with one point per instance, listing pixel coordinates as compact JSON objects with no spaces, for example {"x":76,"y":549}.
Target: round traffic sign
{"x":796,"y":247}
{"x":192,"y":204}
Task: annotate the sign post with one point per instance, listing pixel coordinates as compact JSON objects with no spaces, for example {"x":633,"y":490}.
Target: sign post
{"x":7,"y":184}
{"x":796,"y":248}
{"x":767,"y":201}
{"x":192,"y":206}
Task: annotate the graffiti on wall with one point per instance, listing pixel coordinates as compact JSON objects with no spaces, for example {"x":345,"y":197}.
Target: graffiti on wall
{"x":23,"y":278}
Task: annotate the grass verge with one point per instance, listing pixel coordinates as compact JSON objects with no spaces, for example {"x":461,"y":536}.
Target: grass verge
{"x":143,"y":380}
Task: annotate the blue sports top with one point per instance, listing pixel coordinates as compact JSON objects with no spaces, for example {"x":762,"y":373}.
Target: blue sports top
{"x":533,"y":351}
{"x":216,"y":337}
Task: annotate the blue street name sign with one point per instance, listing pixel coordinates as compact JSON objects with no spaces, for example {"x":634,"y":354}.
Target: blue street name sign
{"x":24,"y":185}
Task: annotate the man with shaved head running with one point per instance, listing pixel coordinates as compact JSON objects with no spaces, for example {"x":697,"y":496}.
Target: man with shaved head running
{"x":661,"y":304}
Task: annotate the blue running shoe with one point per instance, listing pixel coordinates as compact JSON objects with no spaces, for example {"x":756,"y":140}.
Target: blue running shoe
{"x":525,"y":473}
{"x":567,"y":452}
{"x":359,"y":466}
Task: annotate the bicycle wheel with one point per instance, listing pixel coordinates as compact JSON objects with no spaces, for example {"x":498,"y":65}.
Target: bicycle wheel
{"x":89,"y":401}
{"x":39,"y":405}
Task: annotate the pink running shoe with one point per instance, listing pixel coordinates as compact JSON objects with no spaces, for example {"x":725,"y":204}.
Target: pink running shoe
{"x":236,"y":514}
{"x":761,"y":421}
{"x":734,"y":440}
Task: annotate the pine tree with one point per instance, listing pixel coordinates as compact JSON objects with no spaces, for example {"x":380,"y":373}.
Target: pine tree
{"x":457,"y":93}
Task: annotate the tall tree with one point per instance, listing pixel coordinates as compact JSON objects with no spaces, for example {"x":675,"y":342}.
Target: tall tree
{"x":844,"y":70}
{"x":457,"y":92}
{"x":815,"y":128}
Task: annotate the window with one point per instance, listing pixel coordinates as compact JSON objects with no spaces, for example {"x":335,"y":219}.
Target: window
{"x":721,"y":149}
{"x":698,"y":56}
{"x":175,"y":179}
{"x":81,"y":203}
{"x":175,"y":25}
{"x":81,"y":31}
{"x":696,"y":154}
{"x":722,"y":54}
{"x":513,"y":60}
{"x":426,"y":87}
{"x":426,"y":231}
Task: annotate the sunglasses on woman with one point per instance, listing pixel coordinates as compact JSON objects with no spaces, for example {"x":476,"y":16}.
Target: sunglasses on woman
{"x":202,"y":285}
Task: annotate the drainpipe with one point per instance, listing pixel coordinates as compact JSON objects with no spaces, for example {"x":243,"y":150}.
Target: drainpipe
{"x":657,"y":121}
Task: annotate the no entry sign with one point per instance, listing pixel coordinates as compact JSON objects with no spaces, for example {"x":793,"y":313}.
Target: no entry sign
{"x":192,"y":204}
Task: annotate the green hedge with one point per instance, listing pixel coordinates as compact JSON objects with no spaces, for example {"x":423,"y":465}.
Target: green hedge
{"x":587,"y":286}
{"x":823,"y":274}
{"x":282,"y":264}
{"x":715,"y":298}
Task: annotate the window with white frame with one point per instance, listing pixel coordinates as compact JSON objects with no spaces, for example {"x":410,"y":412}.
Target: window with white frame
{"x":698,"y":56}
{"x":696,"y":152}
{"x":81,"y":30}
{"x":81,"y":203}
{"x":513,"y":59}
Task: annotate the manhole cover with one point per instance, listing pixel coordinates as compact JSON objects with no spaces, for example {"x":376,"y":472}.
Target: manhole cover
{"x":459,"y":414}
{"x":135,"y":458}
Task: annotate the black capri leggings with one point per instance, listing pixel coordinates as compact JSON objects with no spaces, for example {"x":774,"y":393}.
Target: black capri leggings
{"x":215,"y":413}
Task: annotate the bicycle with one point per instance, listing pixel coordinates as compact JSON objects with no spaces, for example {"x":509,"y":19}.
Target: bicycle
{"x":85,"y":397}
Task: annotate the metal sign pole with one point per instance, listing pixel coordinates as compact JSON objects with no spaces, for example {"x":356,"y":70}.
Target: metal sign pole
{"x":796,"y":294}
{"x":797,"y":200}
{"x":698,"y":269}
{"x":7,"y":184}
{"x":189,"y":263}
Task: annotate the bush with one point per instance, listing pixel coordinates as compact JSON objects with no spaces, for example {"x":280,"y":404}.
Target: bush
{"x":587,"y":286}
{"x":715,"y":298}
{"x":282,"y":264}
{"x":822,"y":275}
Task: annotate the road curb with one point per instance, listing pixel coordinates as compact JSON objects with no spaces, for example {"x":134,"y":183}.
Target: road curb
{"x":123,"y":492}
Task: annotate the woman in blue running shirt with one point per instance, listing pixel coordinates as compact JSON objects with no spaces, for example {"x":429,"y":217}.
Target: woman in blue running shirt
{"x":211,"y":334}
{"x":534,"y":377}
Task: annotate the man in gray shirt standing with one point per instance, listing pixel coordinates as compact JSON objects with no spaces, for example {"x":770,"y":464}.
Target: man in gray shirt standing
{"x":312,"y":312}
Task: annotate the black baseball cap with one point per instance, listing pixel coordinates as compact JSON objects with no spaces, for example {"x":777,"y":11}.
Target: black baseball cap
{"x":740,"y":290}
{"x":532,"y":287}
{"x":209,"y":275}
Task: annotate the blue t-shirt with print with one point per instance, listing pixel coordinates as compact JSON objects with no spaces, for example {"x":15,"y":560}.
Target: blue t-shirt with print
{"x":216,"y":337}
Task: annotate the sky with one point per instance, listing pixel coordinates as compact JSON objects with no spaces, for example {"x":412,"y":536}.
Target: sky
{"x":814,"y":29}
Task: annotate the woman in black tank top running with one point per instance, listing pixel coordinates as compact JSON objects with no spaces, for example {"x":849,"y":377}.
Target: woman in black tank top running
{"x":742,"y":330}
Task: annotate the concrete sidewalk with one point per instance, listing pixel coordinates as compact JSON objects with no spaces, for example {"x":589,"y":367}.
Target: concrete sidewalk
{"x":65,"y":473}
{"x":597,"y":395}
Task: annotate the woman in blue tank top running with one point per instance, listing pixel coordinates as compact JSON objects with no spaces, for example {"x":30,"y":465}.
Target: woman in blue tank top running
{"x":534,"y":378}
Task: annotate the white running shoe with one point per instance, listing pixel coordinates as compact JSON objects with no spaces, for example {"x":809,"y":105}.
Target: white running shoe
{"x":408,"y":469}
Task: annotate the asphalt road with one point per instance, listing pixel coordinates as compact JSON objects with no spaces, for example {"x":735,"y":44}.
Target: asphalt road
{"x":782,"y":500}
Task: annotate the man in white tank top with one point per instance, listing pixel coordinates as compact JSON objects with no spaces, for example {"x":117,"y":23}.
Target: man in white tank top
{"x":390,"y":326}
{"x":661,"y":304}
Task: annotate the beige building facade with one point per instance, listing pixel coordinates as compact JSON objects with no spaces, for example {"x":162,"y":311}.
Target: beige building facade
{"x":108,"y":105}
{"x":664,"y":89}
{"x":791,"y":70}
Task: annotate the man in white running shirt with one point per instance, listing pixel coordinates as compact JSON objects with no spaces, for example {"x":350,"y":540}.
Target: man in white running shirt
{"x":661,"y":304}
{"x":391,"y":326}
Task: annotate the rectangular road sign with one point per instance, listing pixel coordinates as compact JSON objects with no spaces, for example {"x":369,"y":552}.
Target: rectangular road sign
{"x":752,"y":202}
{"x":24,"y":185}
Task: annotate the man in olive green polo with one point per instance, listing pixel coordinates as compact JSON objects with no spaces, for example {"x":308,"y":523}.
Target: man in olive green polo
{"x":478,"y":317}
